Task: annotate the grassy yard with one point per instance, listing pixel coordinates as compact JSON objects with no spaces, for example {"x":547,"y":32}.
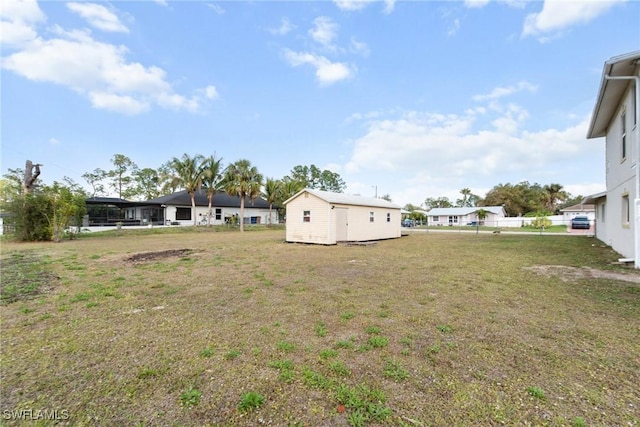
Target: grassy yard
{"x":219,"y":328}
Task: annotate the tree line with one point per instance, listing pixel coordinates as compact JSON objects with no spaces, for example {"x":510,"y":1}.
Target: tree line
{"x":40,"y":212}
{"x":522,"y":199}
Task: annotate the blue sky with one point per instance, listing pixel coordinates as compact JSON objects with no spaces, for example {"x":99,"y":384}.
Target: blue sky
{"x":415,"y":99}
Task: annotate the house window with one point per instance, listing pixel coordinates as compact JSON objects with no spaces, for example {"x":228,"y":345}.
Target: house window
{"x":626,"y":210}
{"x":306,"y":216}
{"x":453,"y":219}
{"x":370,"y":216}
{"x":388,"y":217}
{"x":623,"y":118}
{"x":435,"y":219}
{"x":218,"y":214}
{"x":183,"y":214}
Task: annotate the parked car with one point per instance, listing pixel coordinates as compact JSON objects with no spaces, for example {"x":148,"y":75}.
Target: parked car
{"x":408,"y":223}
{"x":580,"y":222}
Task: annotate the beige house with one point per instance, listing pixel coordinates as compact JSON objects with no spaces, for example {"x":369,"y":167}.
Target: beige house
{"x":325,"y":218}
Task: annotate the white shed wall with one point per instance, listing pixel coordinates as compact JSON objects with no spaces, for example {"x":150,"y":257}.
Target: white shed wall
{"x":318,"y":229}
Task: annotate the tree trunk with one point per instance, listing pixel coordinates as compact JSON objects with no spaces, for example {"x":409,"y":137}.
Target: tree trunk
{"x":30,"y":175}
{"x":242,"y":213}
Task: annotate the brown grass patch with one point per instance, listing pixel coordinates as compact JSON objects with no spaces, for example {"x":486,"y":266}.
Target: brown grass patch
{"x":438,"y":329}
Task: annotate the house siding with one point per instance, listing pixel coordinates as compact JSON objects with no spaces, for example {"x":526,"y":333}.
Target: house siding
{"x":620,"y":181}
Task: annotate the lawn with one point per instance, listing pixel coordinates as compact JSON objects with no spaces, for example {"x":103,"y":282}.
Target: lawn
{"x":219,"y":328}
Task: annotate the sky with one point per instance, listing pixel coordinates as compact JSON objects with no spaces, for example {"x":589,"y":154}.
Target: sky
{"x":411,"y":99}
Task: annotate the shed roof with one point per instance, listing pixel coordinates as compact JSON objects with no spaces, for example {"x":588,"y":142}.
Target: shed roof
{"x":220,"y":199}
{"x":346,"y":199}
{"x":465,"y":211}
{"x":611,"y":92}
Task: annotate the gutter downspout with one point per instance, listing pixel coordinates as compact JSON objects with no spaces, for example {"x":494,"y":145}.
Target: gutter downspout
{"x":636,"y":202}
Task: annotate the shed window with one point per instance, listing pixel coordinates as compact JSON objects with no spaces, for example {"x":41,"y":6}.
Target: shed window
{"x":623,"y":147}
{"x":388,"y":217}
{"x":183,"y":214}
{"x":306,"y":216}
{"x":218,"y":214}
{"x":371,"y":216}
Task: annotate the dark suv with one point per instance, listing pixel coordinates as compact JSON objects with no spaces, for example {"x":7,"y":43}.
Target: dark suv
{"x":580,"y":222}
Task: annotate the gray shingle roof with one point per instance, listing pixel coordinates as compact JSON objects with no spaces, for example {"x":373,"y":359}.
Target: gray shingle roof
{"x":220,"y":199}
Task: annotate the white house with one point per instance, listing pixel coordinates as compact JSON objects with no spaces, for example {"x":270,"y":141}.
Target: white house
{"x":571,"y":212}
{"x":176,"y":209}
{"x":616,"y":117}
{"x":465,"y":216}
{"x":322,"y":217}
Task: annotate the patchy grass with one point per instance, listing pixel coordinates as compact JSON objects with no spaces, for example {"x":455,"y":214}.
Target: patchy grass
{"x":230,"y":329}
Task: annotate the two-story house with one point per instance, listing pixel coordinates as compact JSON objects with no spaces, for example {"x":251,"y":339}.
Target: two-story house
{"x":616,"y":117}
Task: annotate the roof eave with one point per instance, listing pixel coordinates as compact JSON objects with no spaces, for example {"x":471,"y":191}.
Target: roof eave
{"x":608,"y":94}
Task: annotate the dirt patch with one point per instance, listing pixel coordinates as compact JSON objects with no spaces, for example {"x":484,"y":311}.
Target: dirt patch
{"x":156,"y":255}
{"x":571,"y":274}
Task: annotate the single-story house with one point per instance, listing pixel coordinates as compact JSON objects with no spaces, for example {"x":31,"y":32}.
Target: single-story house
{"x":616,"y":117}
{"x":322,"y":217}
{"x":465,"y":215}
{"x":176,"y":209}
{"x":571,"y":212}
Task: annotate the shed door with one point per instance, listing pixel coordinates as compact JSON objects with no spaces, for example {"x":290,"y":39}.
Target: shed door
{"x":342,"y":224}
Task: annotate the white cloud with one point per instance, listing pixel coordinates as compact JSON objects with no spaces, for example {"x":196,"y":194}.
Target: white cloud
{"x":324,"y":31}
{"x":17,"y":21}
{"x":501,"y":92}
{"x":217,"y":8}
{"x":359,"y":47}
{"x":453,"y":29}
{"x":327,"y":72}
{"x":438,"y":154}
{"x":558,"y":15}
{"x":210,"y":92}
{"x":100,"y":71}
{"x":355,"y":5}
{"x":54,"y":141}
{"x":98,"y":16}
{"x":285,"y":28}
{"x":476,"y":3}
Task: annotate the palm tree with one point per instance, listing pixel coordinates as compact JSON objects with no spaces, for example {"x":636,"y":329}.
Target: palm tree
{"x":482,"y":215}
{"x":243,"y":180}
{"x":189,"y":174}
{"x":272,"y":192}
{"x":553,"y":193}
{"x":211,"y":177}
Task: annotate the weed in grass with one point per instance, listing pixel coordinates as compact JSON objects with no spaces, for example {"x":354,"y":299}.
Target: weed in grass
{"x":206,"y":352}
{"x":407,"y":341}
{"x":321,"y":329}
{"x":315,"y":379}
{"x":345,"y":344}
{"x":378,"y":341}
{"x":80,"y":297}
{"x":286,"y":369}
{"x":445,"y":329}
{"x":348,"y":315}
{"x":26,"y":310}
{"x":147,"y":373}
{"x":357,"y":419}
{"x":190,"y":397}
{"x":433,"y":349}
{"x":579,"y":422}
{"x":536,"y":392}
{"x":286,"y":346}
{"x":339,"y":368}
{"x":250,"y":401}
{"x":232,"y":354}
{"x":92,"y":304}
{"x":383,"y":314}
{"x":373,"y":330}
{"x":394,"y":370}
{"x":328,"y":353}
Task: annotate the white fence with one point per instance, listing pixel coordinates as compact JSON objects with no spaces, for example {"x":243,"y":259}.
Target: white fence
{"x":520,"y":221}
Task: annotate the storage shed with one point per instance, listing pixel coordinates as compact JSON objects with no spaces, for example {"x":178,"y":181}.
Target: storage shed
{"x":322,"y":217}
